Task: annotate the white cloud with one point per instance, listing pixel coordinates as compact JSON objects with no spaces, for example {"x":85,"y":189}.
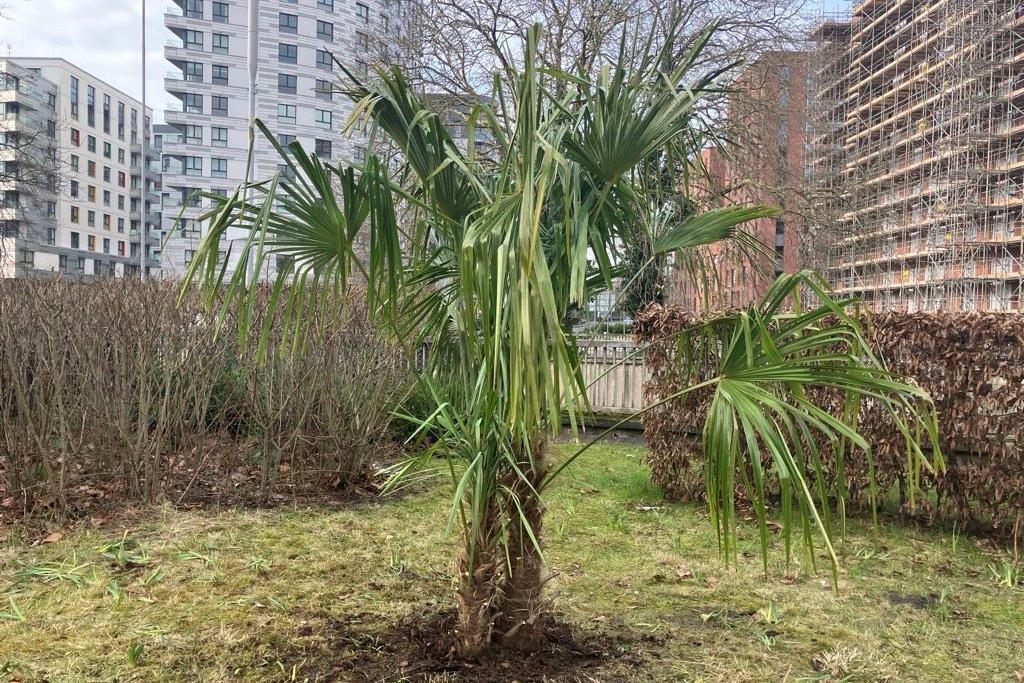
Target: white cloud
{"x":104,"y":37}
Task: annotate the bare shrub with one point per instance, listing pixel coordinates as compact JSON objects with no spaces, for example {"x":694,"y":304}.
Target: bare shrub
{"x":116,"y":389}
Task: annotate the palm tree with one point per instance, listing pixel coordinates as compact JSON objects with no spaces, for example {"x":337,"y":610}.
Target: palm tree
{"x":483,"y":262}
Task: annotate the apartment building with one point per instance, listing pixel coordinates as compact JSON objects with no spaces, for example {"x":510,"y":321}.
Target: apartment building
{"x":763,"y":164}
{"x":299,"y":41}
{"x":918,"y":139}
{"x":72,"y":196}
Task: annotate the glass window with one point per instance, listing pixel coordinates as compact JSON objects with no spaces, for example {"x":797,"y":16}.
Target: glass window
{"x":325,"y":4}
{"x":220,"y":12}
{"x":324,"y":117}
{"x":324,"y":90}
{"x":220,"y":43}
{"x":194,"y":9}
{"x":362,"y":40}
{"x":219,"y":168}
{"x":323,"y":149}
{"x":287,"y":83}
{"x":325,"y":30}
{"x":194,"y":40}
{"x":219,"y":75}
{"x":193,"y":103}
{"x":219,"y":105}
{"x":288,"y":23}
{"x":323,"y":60}
{"x":219,"y":136}
{"x":193,"y":72}
{"x":194,"y":166}
{"x":285,"y":140}
{"x":193,"y":135}
{"x":287,"y":54}
{"x":286,"y":113}
{"x":363,"y":13}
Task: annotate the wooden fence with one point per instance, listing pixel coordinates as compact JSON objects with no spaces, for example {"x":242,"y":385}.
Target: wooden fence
{"x":614,"y":371}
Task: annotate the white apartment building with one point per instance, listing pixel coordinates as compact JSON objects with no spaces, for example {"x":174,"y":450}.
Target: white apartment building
{"x":87,"y":223}
{"x":298,"y":41}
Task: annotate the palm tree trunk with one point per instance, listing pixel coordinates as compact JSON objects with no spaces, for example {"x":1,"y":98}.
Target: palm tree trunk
{"x":478,"y":568}
{"x":521,"y":603}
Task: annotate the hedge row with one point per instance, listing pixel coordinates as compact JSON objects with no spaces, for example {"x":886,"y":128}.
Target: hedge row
{"x":972,"y":364}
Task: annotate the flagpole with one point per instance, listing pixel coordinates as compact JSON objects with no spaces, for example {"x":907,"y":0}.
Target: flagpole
{"x":142,"y":205}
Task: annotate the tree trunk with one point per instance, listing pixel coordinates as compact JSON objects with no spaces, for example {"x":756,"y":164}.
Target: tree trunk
{"x":478,"y":568}
{"x":521,"y":607}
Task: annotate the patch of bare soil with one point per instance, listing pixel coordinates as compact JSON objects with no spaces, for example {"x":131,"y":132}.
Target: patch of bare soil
{"x":421,"y":647}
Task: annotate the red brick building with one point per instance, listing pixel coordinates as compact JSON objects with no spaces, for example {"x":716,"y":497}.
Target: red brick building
{"x":763,"y":163}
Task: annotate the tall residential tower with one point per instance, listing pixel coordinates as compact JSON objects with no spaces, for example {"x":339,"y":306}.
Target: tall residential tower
{"x":72,"y":149}
{"x":298,"y":42}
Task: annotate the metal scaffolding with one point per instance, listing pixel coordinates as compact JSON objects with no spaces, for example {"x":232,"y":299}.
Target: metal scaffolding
{"x":917,"y":149}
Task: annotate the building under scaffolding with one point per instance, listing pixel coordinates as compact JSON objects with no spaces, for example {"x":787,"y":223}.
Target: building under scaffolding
{"x":916,"y":153}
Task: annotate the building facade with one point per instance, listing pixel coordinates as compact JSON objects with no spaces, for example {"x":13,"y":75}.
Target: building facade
{"x":297,"y":74}
{"x":918,"y":138}
{"x":765,"y":165}
{"x":85,"y":217}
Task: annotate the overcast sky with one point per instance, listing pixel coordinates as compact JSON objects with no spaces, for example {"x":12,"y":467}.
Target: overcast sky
{"x":103,"y":37}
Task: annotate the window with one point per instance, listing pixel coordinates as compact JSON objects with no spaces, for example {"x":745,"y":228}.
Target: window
{"x":194,"y":40}
{"x":192,"y":103}
{"x":362,"y":68}
{"x":287,"y":83}
{"x":74,"y":98}
{"x":75,"y":218}
{"x":323,"y":60}
{"x":108,"y":150}
{"x":285,"y":140}
{"x":120,"y":222}
{"x":90,"y":105}
{"x":90,"y":219}
{"x":359,"y":154}
{"x":324,"y":117}
{"x":194,"y":9}
{"x":106,"y":197}
{"x":121,"y":179}
{"x":120,"y":247}
{"x":193,"y":72}
{"x":288,"y":23}
{"x":106,"y":174}
{"x":74,"y":162}
{"x":120,"y":156}
{"x":91,"y":143}
{"x":51,"y":130}
{"x":106,"y":221}
{"x":74,"y":188}
{"x":219,"y":74}
{"x":120,"y":120}
{"x":220,"y":12}
{"x":219,"y":168}
{"x":106,"y":113}
{"x":287,"y":54}
{"x":194,"y":166}
{"x":325,"y":30}
{"x":286,"y":113}
{"x":220,"y":43}
{"x":385,"y":24}
{"x":219,"y":105}
{"x":76,"y":137}
{"x":325,"y":4}
{"x":120,"y":202}
{"x":323,"y":149}
{"x":324,"y":90}
{"x":91,"y":168}
{"x":362,"y":40}
{"x":193,"y":135}
{"x":90,"y":193}
{"x":75,"y":237}
{"x":219,"y":136}
{"x":363,"y":13}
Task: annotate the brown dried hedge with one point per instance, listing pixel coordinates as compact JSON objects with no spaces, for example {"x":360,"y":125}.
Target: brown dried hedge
{"x":972,"y":364}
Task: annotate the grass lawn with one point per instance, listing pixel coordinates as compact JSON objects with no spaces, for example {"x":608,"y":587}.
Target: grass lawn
{"x":311,"y":594}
